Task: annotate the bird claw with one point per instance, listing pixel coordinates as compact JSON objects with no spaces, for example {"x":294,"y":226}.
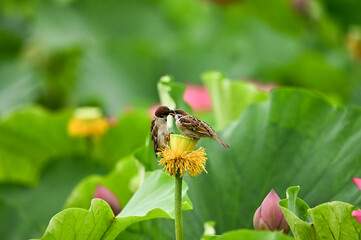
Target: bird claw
{"x":168,"y":136}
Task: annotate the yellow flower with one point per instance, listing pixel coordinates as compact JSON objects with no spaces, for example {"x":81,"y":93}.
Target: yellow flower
{"x":87,"y":121}
{"x":179,"y":157}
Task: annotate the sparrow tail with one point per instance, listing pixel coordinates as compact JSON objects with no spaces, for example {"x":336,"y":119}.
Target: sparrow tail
{"x":221,"y":141}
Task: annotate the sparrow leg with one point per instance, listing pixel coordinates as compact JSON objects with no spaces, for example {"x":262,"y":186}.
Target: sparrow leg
{"x":168,"y":137}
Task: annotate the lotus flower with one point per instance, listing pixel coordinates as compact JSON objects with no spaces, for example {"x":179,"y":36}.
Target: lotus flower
{"x":198,"y":98}
{"x":269,"y":215}
{"x":87,"y":122}
{"x":357,"y":213}
{"x":108,"y":196}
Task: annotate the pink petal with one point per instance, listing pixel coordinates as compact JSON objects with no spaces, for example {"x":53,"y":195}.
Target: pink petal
{"x":357,"y":214}
{"x":357,"y":181}
{"x":108,"y":196}
{"x":258,"y":222}
{"x":271,"y":212}
{"x":269,"y":215}
{"x":197,"y":97}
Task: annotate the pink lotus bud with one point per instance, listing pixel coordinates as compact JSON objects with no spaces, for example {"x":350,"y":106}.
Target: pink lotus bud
{"x":269,"y":215}
{"x":357,"y":181}
{"x":197,"y":97}
{"x":357,"y":214}
{"x":108,"y":196}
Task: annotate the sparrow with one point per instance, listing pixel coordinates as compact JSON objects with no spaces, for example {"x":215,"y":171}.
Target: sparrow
{"x":194,"y":127}
{"x":159,"y":129}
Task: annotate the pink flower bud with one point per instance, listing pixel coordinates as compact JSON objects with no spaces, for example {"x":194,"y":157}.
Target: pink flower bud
{"x":357,"y":214}
{"x":269,"y":215}
{"x":108,"y":196}
{"x":357,"y":181}
{"x":198,"y":98}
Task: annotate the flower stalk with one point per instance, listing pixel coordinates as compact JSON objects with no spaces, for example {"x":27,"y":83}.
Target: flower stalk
{"x":178,"y":159}
{"x":178,"y":219}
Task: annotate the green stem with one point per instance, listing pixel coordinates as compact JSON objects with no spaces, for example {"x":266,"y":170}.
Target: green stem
{"x":91,"y":147}
{"x":178,"y":208}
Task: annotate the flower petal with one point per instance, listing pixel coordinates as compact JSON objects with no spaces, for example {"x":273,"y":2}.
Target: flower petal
{"x":357,"y":181}
{"x":357,"y":214}
{"x":271,"y":212}
{"x":108,"y":196}
{"x":197,"y":97}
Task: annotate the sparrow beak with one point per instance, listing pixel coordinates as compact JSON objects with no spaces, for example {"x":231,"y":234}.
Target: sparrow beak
{"x":172,"y":113}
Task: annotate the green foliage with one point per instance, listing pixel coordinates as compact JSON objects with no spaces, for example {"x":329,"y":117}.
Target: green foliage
{"x":129,"y":134}
{"x":154,"y":199}
{"x":276,"y":144}
{"x":81,"y":224}
{"x":253,"y":235}
{"x":122,"y":181}
{"x":18,"y":87}
{"x":64,"y":53}
{"x":41,"y":135}
{"x":230,"y":98}
{"x":25,"y":212}
{"x":79,"y":57}
{"x":36,"y":151}
{"x":171,"y":93}
{"x":326,"y":221}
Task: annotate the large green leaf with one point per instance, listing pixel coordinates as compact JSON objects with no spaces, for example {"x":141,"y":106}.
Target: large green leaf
{"x":300,"y":225}
{"x":128,"y":135}
{"x":326,"y":221}
{"x":28,"y":138}
{"x":254,"y":235}
{"x":295,"y":138}
{"x":154,"y":199}
{"x":230,"y":98}
{"x":242,"y":234}
{"x":79,"y":223}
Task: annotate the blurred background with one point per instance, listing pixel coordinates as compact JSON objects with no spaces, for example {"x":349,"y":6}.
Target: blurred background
{"x":57,"y":55}
{"x":65,"y":53}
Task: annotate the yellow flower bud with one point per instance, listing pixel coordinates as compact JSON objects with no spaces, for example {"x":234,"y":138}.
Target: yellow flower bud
{"x":86,"y":122}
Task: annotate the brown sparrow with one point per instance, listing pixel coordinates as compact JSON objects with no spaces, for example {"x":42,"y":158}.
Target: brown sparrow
{"x":194,"y":127}
{"x":159,"y":128}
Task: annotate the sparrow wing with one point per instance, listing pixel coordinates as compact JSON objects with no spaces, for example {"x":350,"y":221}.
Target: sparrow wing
{"x":196,"y":125}
{"x":154,"y":135}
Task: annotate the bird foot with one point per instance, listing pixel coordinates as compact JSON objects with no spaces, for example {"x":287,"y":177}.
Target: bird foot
{"x":168,"y":136}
